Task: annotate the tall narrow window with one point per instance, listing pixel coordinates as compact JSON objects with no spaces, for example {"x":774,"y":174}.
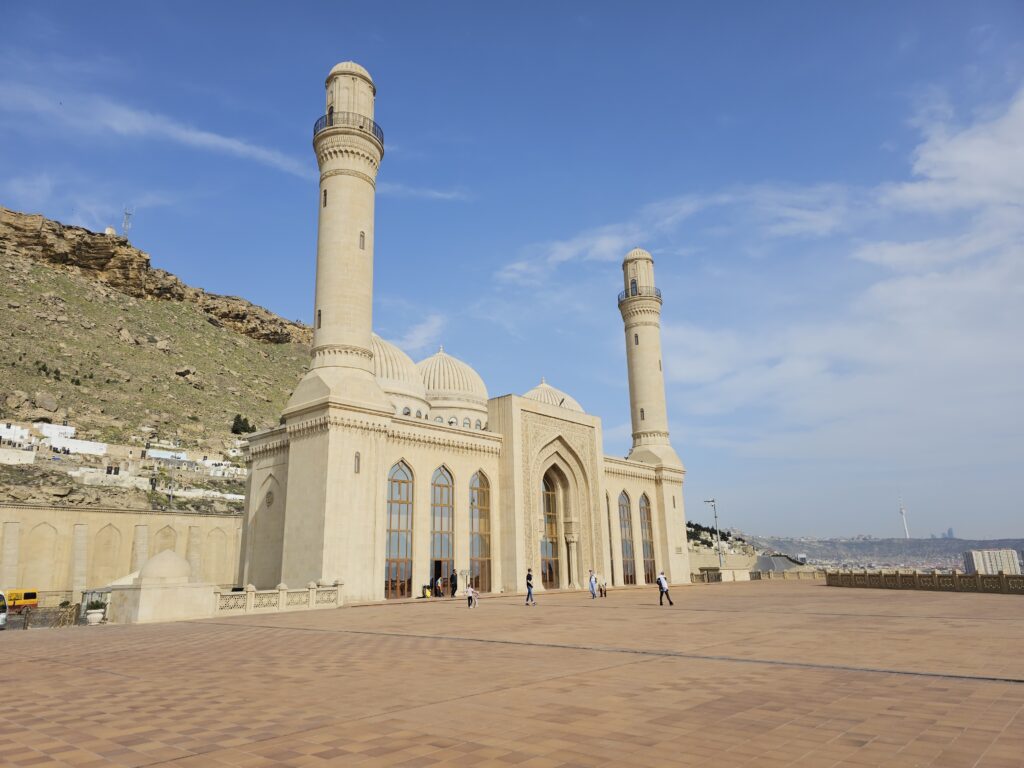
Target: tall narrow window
{"x":318,"y":319}
{"x":398,"y":561}
{"x":325,"y":198}
{"x":356,"y":462}
{"x":549,"y":543}
{"x":480,"y":532}
{"x":632,"y":287}
{"x":641,"y":414}
{"x":330,"y":115}
{"x":442,"y":527}
{"x":362,"y":241}
{"x":636,"y":339}
{"x":647,"y":530}
{"x":626,"y":534}
{"x":608,"y":510}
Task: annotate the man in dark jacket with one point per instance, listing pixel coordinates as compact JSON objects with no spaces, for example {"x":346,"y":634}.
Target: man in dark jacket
{"x":454,"y":581}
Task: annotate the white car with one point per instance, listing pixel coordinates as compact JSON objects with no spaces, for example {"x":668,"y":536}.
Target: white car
{"x":3,"y":611}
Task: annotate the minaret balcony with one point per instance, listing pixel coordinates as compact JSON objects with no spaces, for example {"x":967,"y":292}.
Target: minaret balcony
{"x":641,"y":291}
{"x":349,"y":120}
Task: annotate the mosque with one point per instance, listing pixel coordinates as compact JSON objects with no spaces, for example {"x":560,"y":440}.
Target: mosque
{"x":387,"y":475}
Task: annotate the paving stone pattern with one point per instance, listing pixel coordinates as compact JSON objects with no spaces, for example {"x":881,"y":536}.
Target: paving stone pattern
{"x":757,"y":674}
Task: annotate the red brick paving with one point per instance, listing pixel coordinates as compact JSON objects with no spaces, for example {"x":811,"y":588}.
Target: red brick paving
{"x":758,"y":674}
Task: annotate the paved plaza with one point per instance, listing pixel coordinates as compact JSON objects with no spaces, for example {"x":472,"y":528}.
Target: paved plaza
{"x":756,"y":674}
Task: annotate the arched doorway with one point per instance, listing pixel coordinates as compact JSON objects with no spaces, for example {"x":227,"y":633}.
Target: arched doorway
{"x":647,"y":531}
{"x":555,"y":564}
{"x":442,"y":529}
{"x":480,"y":532}
{"x":626,"y":535}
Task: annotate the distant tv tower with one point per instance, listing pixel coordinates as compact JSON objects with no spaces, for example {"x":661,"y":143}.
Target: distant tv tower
{"x":126,"y":222}
{"x":903,"y":515}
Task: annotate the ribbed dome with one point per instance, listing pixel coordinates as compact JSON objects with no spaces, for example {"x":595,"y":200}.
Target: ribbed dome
{"x":448,"y":378}
{"x":396,"y":373}
{"x":545,"y":393}
{"x":638,"y":254}
{"x":350,"y":68}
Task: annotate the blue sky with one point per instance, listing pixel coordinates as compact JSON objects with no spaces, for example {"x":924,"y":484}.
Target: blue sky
{"x":833,"y":195}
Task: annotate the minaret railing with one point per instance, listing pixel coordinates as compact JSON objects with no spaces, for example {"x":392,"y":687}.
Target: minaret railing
{"x":647,"y":291}
{"x":349,"y":120}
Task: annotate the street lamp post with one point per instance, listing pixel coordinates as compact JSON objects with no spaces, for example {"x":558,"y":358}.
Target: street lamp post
{"x":718,"y":535}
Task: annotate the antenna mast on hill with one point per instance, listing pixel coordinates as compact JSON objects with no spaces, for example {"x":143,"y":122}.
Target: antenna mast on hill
{"x":126,"y":222}
{"x":903,"y":514}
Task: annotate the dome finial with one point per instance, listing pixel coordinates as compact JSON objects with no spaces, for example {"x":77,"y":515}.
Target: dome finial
{"x":542,"y":380}
{"x":440,"y":348}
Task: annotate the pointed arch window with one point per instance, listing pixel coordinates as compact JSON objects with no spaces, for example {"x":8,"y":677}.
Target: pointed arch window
{"x":330,"y":115}
{"x":362,"y":241}
{"x":632,"y":287}
{"x":647,"y":531}
{"x":398,"y":557}
{"x":626,"y":534}
{"x":480,"y":532}
{"x":549,"y":543}
{"x":442,"y":528}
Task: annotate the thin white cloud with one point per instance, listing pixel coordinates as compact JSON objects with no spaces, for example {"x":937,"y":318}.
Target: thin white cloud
{"x":76,"y":200}
{"x":397,"y":189}
{"x":979,"y":165}
{"x":98,"y":115}
{"x":423,"y":335}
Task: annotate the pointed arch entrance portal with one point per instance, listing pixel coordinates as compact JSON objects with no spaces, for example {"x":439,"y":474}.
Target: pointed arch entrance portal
{"x":550,"y":571}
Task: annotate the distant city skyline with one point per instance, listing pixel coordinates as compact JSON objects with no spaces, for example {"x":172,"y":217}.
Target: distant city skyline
{"x":833,"y":197}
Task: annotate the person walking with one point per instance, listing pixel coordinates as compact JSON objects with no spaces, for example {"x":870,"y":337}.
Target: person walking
{"x":593,"y":585}
{"x":470,"y":596}
{"x":454,"y":581}
{"x":663,"y":590}
{"x":529,"y":587}
{"x":439,"y":588}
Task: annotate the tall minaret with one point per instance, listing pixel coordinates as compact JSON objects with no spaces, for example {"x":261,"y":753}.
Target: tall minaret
{"x":349,"y":146}
{"x":640,"y":305}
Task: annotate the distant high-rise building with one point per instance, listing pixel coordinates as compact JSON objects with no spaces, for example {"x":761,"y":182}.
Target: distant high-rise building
{"x":950,"y":534}
{"x":991,"y":561}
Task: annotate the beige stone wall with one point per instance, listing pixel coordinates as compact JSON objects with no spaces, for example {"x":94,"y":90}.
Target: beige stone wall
{"x":709,"y":559}
{"x":668,"y":519}
{"x":328,"y":519}
{"x":60,"y":549}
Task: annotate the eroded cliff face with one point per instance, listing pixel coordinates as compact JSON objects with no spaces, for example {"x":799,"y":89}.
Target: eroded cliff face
{"x":112,"y":260}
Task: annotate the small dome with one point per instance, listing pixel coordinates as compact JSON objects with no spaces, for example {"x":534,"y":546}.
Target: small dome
{"x":545,"y":393}
{"x":350,"y":68}
{"x":638,"y":254}
{"x":396,"y":373}
{"x":449,"y":379}
{"x":166,"y":565}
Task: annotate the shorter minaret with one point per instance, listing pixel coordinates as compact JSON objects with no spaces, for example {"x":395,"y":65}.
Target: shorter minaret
{"x":640,"y":305}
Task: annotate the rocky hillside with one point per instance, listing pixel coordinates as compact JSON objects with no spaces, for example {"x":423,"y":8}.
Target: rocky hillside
{"x":92,"y":333}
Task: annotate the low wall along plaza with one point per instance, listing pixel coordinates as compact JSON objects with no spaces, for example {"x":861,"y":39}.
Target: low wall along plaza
{"x":1001,"y":583}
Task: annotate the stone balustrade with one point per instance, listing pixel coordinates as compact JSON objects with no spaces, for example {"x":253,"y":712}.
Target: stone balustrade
{"x":786,"y":575}
{"x":252,"y":600}
{"x":1001,"y":583}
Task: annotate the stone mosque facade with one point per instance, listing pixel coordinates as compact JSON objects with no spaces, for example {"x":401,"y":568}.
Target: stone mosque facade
{"x":386,"y":474}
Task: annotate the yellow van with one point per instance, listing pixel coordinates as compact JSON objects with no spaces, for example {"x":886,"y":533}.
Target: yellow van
{"x":20,"y":599}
